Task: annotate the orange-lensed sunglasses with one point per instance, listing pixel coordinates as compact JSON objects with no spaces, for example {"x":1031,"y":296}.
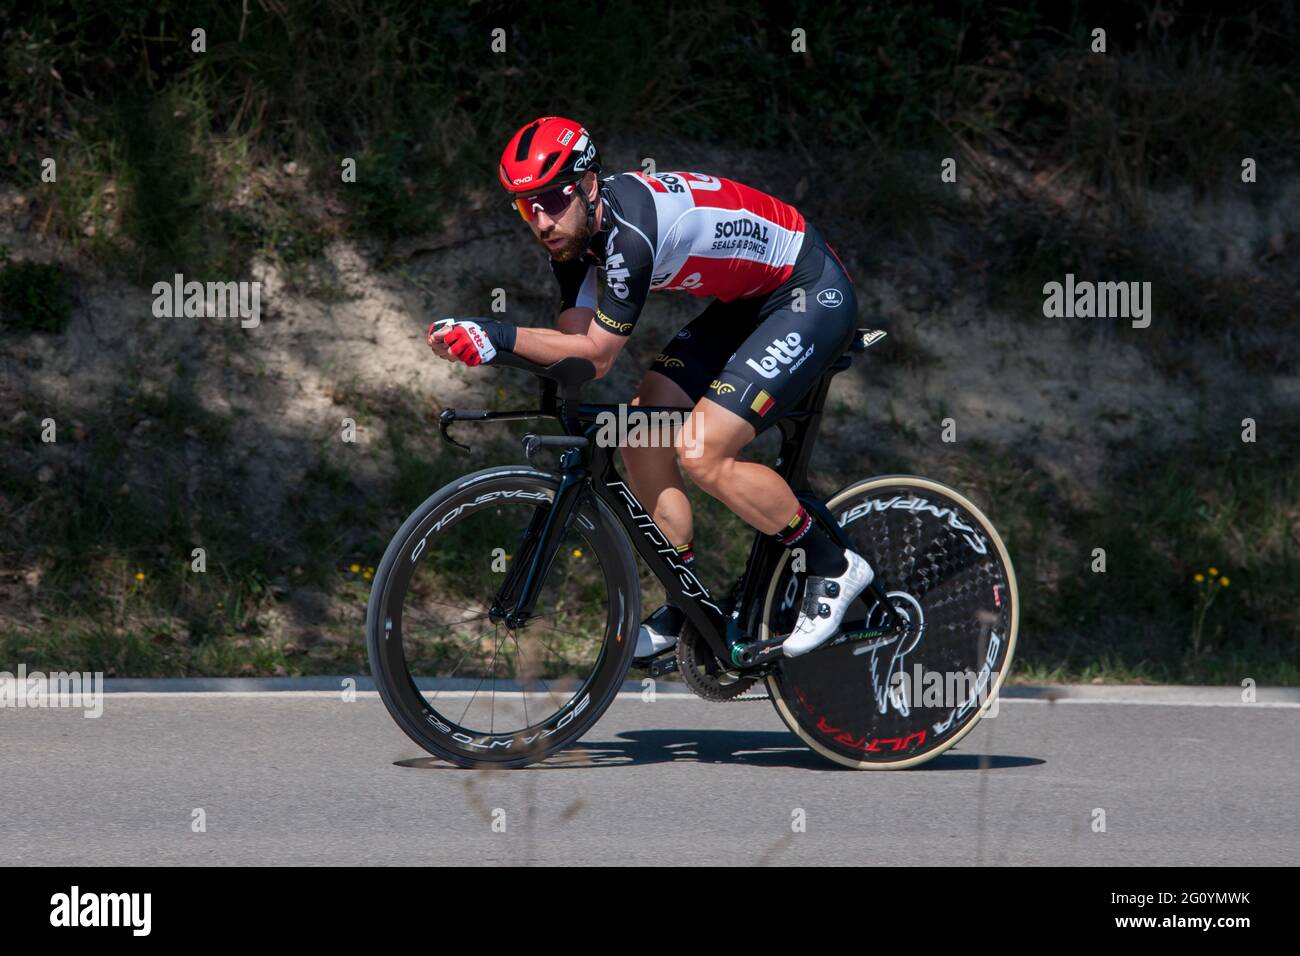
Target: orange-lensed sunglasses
{"x":553,"y":202}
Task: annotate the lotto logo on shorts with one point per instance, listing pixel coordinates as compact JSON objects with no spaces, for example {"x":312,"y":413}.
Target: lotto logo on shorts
{"x":762,"y":403}
{"x":722,"y":388}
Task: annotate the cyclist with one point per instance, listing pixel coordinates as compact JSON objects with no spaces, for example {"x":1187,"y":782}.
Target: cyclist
{"x":783,"y":310}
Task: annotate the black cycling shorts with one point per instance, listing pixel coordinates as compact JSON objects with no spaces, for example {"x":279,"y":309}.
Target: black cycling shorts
{"x":758,"y":357}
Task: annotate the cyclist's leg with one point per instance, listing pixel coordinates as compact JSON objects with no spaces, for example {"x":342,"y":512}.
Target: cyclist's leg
{"x":771,"y":370}
{"x":652,"y":471}
{"x":679,"y":376}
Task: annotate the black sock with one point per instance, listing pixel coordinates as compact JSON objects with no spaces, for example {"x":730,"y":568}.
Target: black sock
{"x":824,"y":557}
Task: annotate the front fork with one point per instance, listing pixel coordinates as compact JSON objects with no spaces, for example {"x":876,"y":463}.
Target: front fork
{"x":541,"y":541}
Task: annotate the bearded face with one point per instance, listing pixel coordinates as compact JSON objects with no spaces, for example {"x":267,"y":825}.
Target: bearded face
{"x":569,"y":243}
{"x":566,"y":235}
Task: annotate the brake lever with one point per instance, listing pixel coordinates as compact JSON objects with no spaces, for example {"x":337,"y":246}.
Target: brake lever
{"x":445,"y":418}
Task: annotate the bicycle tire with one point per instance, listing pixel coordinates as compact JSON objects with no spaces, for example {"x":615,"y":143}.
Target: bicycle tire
{"x":403,"y":699}
{"x":844,"y":741}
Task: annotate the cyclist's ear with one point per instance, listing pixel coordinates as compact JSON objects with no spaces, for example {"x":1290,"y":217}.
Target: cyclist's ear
{"x":590,"y":187}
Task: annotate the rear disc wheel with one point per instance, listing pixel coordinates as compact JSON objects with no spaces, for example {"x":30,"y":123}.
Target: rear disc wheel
{"x":887,"y":701}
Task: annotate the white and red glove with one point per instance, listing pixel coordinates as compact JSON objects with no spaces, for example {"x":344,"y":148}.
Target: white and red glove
{"x":476,"y":342}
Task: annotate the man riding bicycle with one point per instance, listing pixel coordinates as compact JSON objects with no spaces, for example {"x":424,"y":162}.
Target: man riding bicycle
{"x":783,"y":310}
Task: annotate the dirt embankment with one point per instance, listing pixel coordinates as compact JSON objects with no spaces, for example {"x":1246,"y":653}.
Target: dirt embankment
{"x":1056,"y":395}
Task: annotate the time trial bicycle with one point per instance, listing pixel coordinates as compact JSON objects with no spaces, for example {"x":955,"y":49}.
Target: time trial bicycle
{"x":503,"y":617}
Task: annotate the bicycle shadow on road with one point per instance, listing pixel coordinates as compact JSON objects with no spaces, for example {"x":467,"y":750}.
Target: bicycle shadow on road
{"x":759,"y":748}
{"x":770,"y":749}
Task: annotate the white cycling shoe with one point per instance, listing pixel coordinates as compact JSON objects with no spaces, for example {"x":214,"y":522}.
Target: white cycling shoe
{"x":659,"y":632}
{"x":824,"y":602}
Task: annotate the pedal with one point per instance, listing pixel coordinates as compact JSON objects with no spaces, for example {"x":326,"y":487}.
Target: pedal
{"x":657,"y":666}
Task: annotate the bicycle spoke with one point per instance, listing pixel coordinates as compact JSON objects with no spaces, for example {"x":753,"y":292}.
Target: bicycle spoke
{"x":550,"y":664}
{"x":480,"y":684}
{"x":457,"y":607}
{"x":556,"y":653}
{"x":524,"y":695}
{"x":454,"y":670}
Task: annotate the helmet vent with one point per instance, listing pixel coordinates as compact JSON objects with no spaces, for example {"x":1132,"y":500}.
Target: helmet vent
{"x":521,"y":151}
{"x":546,"y":166}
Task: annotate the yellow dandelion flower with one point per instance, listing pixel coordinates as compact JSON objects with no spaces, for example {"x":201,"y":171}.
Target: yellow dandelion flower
{"x":1198,"y":578}
{"x":577,"y":552}
{"x":139,"y":575}
{"x":1213,"y":571}
{"x":1224,"y":581}
{"x":354,"y":568}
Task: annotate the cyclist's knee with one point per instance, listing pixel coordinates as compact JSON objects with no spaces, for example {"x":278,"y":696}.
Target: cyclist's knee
{"x":705,"y":469}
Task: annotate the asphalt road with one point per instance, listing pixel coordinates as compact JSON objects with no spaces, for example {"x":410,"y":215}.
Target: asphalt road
{"x":304,"y":778}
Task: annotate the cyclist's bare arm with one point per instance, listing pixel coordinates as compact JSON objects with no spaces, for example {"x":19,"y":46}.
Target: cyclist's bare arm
{"x":545,"y":346}
{"x":575,"y":321}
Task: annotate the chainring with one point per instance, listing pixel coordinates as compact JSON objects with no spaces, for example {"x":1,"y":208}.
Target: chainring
{"x":702,"y":672}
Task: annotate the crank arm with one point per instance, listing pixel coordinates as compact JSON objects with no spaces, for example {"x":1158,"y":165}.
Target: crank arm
{"x":756,"y":653}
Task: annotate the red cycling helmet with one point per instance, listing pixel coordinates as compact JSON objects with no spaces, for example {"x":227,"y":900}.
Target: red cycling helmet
{"x":547,"y":152}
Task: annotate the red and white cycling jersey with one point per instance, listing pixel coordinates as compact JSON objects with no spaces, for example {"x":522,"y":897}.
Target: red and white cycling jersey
{"x":684,"y":231}
{"x":720,"y":238}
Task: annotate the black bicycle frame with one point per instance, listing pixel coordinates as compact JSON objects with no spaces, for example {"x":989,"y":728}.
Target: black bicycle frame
{"x":582,"y":459}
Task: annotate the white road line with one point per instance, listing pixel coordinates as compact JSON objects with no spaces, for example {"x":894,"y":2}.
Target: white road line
{"x":1150,"y":703}
{"x":660,"y":694}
